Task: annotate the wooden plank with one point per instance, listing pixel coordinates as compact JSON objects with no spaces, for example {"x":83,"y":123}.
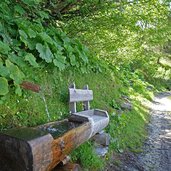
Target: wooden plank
{"x":62,"y":146}
{"x":86,"y":104}
{"x":41,"y":151}
{"x":72,"y":107}
{"x":15,"y":154}
{"x":79,"y":95}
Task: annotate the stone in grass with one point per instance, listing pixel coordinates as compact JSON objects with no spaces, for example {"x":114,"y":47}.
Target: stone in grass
{"x":102,"y":138}
{"x":102,"y":141}
{"x":101,"y":150}
{"x":126,"y":106}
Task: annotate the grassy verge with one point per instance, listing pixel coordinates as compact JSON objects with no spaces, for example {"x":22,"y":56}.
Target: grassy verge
{"x":126,"y":127}
{"x":29,"y":109}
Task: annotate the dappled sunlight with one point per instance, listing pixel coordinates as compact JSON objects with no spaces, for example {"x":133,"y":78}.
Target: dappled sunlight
{"x":140,"y":112}
{"x":157,"y":146}
{"x":144,"y":102}
{"x":162,"y":103}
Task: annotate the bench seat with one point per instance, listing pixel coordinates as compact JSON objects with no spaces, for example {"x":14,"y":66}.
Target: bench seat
{"x":99,"y":119}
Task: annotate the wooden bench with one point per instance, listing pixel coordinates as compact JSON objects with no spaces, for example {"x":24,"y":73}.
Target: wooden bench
{"x":99,"y":119}
{"x":43,"y":147}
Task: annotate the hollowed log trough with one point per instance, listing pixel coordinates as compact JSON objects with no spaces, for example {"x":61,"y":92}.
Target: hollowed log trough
{"x":41,"y":148}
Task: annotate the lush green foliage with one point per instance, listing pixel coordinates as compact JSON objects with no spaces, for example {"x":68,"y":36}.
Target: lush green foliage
{"x":127,"y":34}
{"x":30,"y":38}
{"x":127,"y":40}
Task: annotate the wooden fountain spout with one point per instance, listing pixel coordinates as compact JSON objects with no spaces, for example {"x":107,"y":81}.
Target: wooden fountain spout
{"x":30,"y":86}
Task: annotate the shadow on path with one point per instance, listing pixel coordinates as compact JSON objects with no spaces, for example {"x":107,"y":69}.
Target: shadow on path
{"x":156,"y":155}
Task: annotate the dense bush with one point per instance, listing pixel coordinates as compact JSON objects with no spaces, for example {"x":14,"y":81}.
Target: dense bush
{"x":29,"y":37}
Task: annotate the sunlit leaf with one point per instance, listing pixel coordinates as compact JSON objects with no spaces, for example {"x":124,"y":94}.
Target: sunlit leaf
{"x":45,"y":37}
{"x":45,"y":52}
{"x":31,"y":59}
{"x":4,"y":48}
{"x":15,"y":73}
{"x":3,"y":70}
{"x":18,"y":90}
{"x":73,"y":60}
{"x":23,"y":36}
{"x":59,"y":61}
{"x":3,"y":86}
{"x":31,"y":33}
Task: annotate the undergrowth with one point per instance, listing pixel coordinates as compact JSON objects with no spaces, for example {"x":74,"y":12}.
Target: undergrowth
{"x":121,"y":61}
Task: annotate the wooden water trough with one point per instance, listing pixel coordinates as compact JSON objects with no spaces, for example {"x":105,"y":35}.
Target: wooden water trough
{"x":43,"y":147}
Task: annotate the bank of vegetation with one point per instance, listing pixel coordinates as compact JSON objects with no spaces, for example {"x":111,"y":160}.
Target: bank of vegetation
{"x":121,"y":49}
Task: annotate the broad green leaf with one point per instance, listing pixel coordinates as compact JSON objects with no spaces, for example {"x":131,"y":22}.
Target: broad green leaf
{"x":45,"y":37}
{"x":72,"y":60}
{"x":23,"y":36}
{"x":68,"y":48}
{"x":19,"y":9}
{"x":3,"y":70}
{"x":18,"y":90}
{"x":4,"y":48}
{"x":59,"y":61}
{"x":19,"y":60}
{"x":45,"y":52}
{"x":31,"y":43}
{"x":15,"y":73}
{"x":3,"y":86}
{"x":83,"y":57}
{"x":31,"y":59}
{"x":31,"y":33}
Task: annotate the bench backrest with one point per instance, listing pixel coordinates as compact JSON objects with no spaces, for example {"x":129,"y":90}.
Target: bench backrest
{"x":79,"y":95}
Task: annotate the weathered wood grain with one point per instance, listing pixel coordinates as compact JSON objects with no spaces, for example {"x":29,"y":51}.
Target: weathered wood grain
{"x":69,"y":141}
{"x":86,"y":104}
{"x":15,"y":154}
{"x":79,"y":95}
{"x":43,"y":147}
{"x":39,"y":150}
{"x":72,"y":105}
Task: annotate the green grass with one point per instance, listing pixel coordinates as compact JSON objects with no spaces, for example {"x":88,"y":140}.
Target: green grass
{"x":29,"y":109}
{"x":85,"y":154}
{"x":126,"y":129}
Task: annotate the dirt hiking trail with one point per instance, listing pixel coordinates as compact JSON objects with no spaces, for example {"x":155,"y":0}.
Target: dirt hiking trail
{"x":156,"y":155}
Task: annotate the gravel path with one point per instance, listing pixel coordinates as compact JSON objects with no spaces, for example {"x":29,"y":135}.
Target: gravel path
{"x":156,"y":155}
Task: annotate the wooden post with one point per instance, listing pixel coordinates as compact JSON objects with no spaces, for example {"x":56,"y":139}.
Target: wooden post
{"x":86,"y":104}
{"x":72,"y":105}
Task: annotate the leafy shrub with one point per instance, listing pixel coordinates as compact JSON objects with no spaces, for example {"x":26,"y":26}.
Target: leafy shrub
{"x":28,"y":38}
